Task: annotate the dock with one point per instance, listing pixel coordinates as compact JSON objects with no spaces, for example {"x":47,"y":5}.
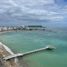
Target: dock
{"x":27,"y":53}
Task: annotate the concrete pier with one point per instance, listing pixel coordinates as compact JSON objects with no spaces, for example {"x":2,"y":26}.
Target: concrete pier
{"x":27,"y":53}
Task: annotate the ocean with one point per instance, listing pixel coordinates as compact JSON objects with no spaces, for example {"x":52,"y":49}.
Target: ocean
{"x":25,"y":41}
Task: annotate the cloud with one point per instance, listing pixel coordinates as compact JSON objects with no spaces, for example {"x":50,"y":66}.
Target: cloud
{"x":34,"y":9}
{"x":13,"y":3}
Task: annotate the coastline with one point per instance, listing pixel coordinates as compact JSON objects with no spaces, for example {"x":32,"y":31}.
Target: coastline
{"x":1,"y":32}
{"x":5,"y":51}
{"x":22,"y":28}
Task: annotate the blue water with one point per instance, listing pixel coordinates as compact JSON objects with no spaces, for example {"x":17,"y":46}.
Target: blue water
{"x":29,"y":40}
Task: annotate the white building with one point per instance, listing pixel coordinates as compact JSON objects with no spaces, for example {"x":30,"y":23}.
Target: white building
{"x":4,"y":28}
{"x":0,"y":29}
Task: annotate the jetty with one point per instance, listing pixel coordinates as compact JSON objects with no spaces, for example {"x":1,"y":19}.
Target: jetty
{"x":27,"y":53}
{"x":9,"y":59}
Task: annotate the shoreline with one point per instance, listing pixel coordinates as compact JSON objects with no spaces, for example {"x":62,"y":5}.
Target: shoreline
{"x":1,"y":32}
{"x":5,"y":51}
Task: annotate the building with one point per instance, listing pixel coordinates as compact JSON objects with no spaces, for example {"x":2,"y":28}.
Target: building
{"x":35,"y":27}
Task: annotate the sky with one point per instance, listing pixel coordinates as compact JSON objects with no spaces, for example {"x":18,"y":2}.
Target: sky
{"x":32,"y":11}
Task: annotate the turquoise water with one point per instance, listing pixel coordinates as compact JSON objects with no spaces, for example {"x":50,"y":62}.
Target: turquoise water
{"x":30,"y":40}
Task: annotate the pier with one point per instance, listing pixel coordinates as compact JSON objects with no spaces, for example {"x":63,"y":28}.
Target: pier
{"x":27,"y":53}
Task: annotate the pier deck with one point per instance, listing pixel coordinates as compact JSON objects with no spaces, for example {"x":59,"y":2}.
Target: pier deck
{"x":27,"y":53}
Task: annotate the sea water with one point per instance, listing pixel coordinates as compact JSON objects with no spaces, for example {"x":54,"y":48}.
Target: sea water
{"x":20,"y":42}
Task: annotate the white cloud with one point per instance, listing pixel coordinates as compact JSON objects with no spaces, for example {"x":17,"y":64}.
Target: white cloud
{"x":56,"y":18}
{"x":2,"y":11}
{"x":13,"y":3}
{"x":36,"y":9}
